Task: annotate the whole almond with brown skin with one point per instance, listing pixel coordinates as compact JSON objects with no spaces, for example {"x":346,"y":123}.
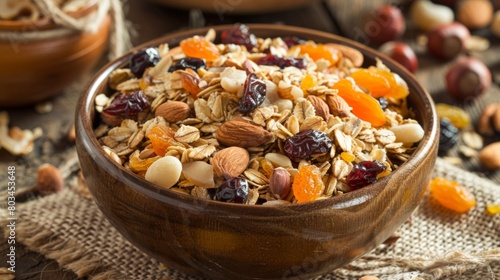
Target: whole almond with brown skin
{"x":242,"y":134}
{"x":320,"y":106}
{"x":173,"y":111}
{"x":338,"y":106}
{"x":230,"y":162}
{"x":49,"y":179}
{"x":279,"y":183}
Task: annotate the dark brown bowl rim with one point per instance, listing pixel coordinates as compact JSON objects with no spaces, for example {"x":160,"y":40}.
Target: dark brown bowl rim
{"x":44,"y":23}
{"x":351,"y":199}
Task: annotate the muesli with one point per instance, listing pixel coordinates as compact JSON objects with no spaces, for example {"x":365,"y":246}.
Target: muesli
{"x":256,"y":120}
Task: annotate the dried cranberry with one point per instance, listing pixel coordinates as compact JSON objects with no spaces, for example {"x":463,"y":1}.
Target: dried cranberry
{"x":271,"y":59}
{"x":233,"y":190}
{"x":144,"y":59}
{"x":364,"y":173}
{"x":239,"y":35}
{"x":383,"y":102}
{"x":127,"y":105}
{"x":254,"y":93}
{"x":307,"y":143}
{"x":291,"y":41}
{"x":188,"y":62}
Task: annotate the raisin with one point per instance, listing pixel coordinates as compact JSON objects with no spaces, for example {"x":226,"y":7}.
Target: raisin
{"x":291,"y":41}
{"x":383,"y":102}
{"x":448,"y":135}
{"x":144,"y":59}
{"x":452,"y":195}
{"x":161,"y":138}
{"x":188,"y":62}
{"x":281,"y":62}
{"x":307,"y":185}
{"x":191,"y":82}
{"x":233,"y":190}
{"x":127,"y":105}
{"x":364,"y":173}
{"x":254,"y":94}
{"x":239,"y":35}
{"x":307,"y":143}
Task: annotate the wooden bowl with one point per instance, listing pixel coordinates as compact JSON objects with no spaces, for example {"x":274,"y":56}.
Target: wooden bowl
{"x":228,"y":241}
{"x":40,"y":58}
{"x":236,"y":7}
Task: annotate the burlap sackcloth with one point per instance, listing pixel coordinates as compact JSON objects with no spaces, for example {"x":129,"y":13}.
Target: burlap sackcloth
{"x":435,"y":243}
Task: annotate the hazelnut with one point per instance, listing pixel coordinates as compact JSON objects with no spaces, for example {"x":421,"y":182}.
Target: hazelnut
{"x":467,"y":79}
{"x":279,"y":183}
{"x":448,"y":40}
{"x":475,"y":14}
{"x":401,"y":53}
{"x":495,"y":25}
{"x":489,"y":122}
{"x":489,"y":156}
{"x":49,"y":179}
{"x":384,"y":24}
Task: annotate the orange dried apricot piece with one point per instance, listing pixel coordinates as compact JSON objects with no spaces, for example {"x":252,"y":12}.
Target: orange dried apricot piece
{"x":307,"y":185}
{"x":161,"y":138}
{"x":317,"y":51}
{"x":199,"y":47}
{"x":191,"y":81}
{"x":363,"y":105}
{"x":452,"y":195}
{"x":381,"y":83}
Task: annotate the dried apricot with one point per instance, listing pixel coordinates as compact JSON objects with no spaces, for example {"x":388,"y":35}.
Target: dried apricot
{"x":138,"y":164}
{"x":308,"y":82}
{"x":307,"y":185}
{"x":317,"y":51}
{"x":452,"y":195}
{"x":161,"y":138}
{"x":199,"y":47}
{"x":380,"y":83}
{"x":363,"y":105}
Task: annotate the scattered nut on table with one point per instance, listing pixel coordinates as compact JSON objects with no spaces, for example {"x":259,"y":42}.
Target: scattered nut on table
{"x":49,"y":179}
{"x":489,"y":122}
{"x":490,"y":156}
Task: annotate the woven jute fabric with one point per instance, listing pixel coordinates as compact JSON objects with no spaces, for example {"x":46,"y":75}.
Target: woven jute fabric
{"x":434,"y":244}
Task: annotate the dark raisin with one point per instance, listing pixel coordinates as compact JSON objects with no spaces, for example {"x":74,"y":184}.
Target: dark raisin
{"x":364,"y":173}
{"x":127,"y":105}
{"x":448,"y":135}
{"x":188,"y":62}
{"x":291,"y":41}
{"x":233,"y":190}
{"x":239,"y":35}
{"x":271,"y":59}
{"x":383,"y":102}
{"x":144,"y":59}
{"x":307,"y":143}
{"x":254,"y":93}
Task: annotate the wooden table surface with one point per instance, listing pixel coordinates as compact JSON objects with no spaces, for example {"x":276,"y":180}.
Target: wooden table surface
{"x":151,"y":21}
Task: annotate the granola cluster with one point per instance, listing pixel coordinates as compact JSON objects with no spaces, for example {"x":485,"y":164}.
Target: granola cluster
{"x":276,"y":121}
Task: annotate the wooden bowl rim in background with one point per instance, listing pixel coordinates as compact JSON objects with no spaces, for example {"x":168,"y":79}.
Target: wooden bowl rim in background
{"x":44,"y":23}
{"x":86,"y":116}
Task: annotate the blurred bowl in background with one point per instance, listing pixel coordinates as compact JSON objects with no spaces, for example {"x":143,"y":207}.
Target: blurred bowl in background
{"x":40,"y":58}
{"x":236,"y":6}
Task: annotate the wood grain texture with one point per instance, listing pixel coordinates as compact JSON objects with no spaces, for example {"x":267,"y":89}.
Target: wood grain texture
{"x":226,"y":241}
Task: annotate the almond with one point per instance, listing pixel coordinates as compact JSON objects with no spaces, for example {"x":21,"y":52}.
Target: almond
{"x":338,"y":106}
{"x":230,"y":162}
{"x":490,"y":156}
{"x":355,"y":56}
{"x":173,"y":111}
{"x":49,"y":179}
{"x":320,"y":106}
{"x":242,"y":134}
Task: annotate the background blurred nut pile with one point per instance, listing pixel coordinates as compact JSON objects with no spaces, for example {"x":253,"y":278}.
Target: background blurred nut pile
{"x":27,"y":10}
